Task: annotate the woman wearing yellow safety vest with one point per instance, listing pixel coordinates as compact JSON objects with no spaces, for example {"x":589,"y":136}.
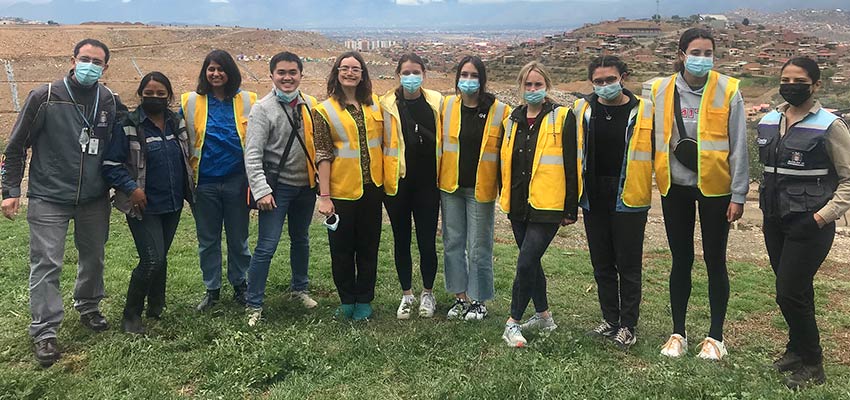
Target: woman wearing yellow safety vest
{"x":349,"y":135}
{"x":539,"y":191}
{"x":411,"y":117}
{"x":216,"y":115}
{"x":615,"y":146}
{"x":471,"y":129}
{"x":700,"y":163}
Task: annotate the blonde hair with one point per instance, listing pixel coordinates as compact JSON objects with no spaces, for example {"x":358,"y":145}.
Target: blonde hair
{"x":523,"y":75}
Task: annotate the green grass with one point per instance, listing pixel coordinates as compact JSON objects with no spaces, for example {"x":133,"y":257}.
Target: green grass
{"x":300,"y":354}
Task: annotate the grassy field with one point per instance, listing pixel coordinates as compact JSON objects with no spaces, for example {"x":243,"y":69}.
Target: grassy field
{"x":299,"y":354}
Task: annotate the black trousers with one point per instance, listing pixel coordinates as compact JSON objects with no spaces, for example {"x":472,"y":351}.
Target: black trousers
{"x":421,"y":200}
{"x":354,"y":246}
{"x":615,"y":240}
{"x":530,"y":283}
{"x":679,"y":207}
{"x":153,"y":236}
{"x":797,"y":248}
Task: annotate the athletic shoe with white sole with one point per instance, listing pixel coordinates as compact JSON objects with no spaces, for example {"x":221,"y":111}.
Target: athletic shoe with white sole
{"x":513,"y":335}
{"x":625,"y":338}
{"x":539,"y":323}
{"x":254,"y":315}
{"x":477,"y":311}
{"x":405,"y":306}
{"x":711,"y":349}
{"x":458,"y":309}
{"x":427,"y":305}
{"x":676,"y":346}
{"x":605,"y":330}
{"x":304,"y":297}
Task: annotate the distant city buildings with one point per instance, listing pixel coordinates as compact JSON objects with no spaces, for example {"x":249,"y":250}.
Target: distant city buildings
{"x":369,"y":45}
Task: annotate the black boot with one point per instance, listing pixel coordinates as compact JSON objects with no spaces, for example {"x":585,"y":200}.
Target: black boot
{"x":790,"y":361}
{"x":133,"y":324}
{"x":239,"y":293}
{"x":47,"y":352}
{"x":210,"y":299}
{"x":805,"y":376}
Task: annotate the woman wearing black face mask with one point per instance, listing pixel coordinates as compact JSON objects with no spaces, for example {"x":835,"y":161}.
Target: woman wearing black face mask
{"x":147,"y":162}
{"x":806,"y":155}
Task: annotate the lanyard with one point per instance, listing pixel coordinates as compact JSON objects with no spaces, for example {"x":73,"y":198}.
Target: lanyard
{"x":77,"y":106}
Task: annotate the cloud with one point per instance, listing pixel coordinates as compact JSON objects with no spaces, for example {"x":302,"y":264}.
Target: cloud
{"x":219,"y":1}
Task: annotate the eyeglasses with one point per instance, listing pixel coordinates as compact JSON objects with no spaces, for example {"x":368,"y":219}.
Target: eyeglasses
{"x":95,"y":61}
{"x":354,"y":70}
{"x":605,"y":81}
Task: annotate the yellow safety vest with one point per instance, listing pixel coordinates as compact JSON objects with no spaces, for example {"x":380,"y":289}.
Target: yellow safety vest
{"x":195,"y":108}
{"x":346,"y":174}
{"x":394,"y":162}
{"x":713,"y":175}
{"x":637,"y":189}
{"x":547,"y":186}
{"x":488,"y":159}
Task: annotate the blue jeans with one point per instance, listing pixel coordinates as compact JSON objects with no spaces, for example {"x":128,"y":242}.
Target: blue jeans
{"x":295,"y":202}
{"x":468,"y":244}
{"x":216,"y":203}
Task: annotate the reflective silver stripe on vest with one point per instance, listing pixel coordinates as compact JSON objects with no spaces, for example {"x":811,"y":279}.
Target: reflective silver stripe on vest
{"x":663,"y":87}
{"x":488,"y":156}
{"x":336,"y":123}
{"x":640,"y":156}
{"x":111,"y":163}
{"x":551,"y":160}
{"x":498,"y":116}
{"x":388,"y":130}
{"x":246,"y":105}
{"x":189,"y":117}
{"x":447,"y":145}
{"x":796,"y":172}
{"x":509,"y":130}
{"x":720,"y":92}
{"x":153,"y":139}
{"x":714,"y":145}
{"x":647,"y":108}
{"x":130,"y":131}
{"x":374,"y":142}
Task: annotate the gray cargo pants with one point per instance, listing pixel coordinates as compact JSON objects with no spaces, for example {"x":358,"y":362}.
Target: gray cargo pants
{"x":48,"y":224}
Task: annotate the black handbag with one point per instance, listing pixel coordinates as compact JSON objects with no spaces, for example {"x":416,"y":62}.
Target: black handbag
{"x":686,"y":151}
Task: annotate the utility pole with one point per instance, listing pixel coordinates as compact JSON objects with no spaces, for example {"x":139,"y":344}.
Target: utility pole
{"x":658,"y":11}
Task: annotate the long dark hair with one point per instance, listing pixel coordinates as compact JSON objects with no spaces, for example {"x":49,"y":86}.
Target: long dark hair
{"x":234,"y":77}
{"x":485,"y":99}
{"x":685,"y":40}
{"x":411,"y":57}
{"x":158,"y":77}
{"x":363,"y":93}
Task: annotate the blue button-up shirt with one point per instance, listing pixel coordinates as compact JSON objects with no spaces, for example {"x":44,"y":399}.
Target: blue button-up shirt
{"x":222,"y":154}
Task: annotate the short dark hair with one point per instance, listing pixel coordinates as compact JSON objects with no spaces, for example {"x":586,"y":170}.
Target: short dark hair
{"x":158,"y":77}
{"x":363,"y":94}
{"x":95,"y":43}
{"x":689,"y":36}
{"x":234,"y":77}
{"x":485,"y":99}
{"x":285,"y":56}
{"x":607,"y":61}
{"x":812,"y":68}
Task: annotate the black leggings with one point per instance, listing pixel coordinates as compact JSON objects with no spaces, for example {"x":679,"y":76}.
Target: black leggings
{"x":679,"y":207}
{"x":422,"y":201}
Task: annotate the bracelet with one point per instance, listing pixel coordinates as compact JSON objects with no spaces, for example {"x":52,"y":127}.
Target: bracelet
{"x":324,"y":195}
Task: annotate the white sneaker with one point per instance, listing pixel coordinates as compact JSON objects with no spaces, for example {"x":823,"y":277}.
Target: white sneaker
{"x":477,"y":311}
{"x":539,"y":323}
{"x":711,"y":349}
{"x":458,"y":309}
{"x":676,"y":346}
{"x":305,"y":299}
{"x":254,"y":315}
{"x":427,"y":305}
{"x":404,"y":308}
{"x":513,"y":335}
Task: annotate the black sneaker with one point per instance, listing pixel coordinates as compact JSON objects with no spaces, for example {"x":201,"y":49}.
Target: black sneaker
{"x":47,"y":352}
{"x":94,"y":321}
{"x":209,"y":301}
{"x":133,"y":324}
{"x":625,"y":338}
{"x":239,"y":293}
{"x":805,"y":376}
{"x":605,"y":330}
{"x":790,"y":361}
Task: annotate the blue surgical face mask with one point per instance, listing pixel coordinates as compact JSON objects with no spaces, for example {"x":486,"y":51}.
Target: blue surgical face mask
{"x":609,"y":92}
{"x":468,"y":86}
{"x":699,"y":66}
{"x":87,"y":74}
{"x":286,"y":97}
{"x":411,"y":83}
{"x":535,"y":97}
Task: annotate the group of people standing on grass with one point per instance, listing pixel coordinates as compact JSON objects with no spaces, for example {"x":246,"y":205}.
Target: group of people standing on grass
{"x":420,"y":154}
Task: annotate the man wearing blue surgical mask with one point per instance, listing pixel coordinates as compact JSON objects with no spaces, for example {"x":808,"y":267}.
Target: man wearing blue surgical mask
{"x":615,"y":131}
{"x":67,"y":123}
{"x":279,"y":156}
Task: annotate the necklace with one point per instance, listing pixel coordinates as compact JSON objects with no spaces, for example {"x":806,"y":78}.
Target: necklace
{"x":608,"y":115}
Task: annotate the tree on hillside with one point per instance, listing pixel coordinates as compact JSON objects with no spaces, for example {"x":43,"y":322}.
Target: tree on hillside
{"x":746,"y":22}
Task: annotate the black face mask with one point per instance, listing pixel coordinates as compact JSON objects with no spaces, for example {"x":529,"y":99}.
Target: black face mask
{"x":154,"y":105}
{"x":795,"y":93}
